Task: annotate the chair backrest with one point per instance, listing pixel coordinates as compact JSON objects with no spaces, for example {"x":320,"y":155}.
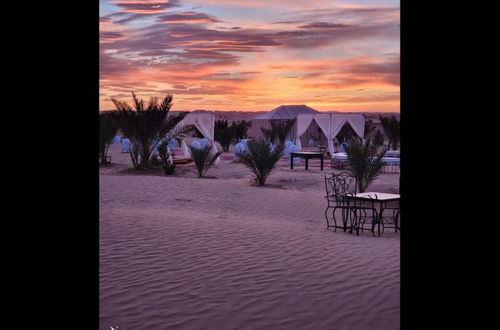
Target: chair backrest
{"x":340,"y":184}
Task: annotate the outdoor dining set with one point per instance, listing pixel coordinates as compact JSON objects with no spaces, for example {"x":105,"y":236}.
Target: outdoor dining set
{"x":372,"y":211}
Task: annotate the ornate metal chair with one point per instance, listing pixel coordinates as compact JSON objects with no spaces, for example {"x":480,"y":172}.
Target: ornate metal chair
{"x":391,"y":220}
{"x":354,"y":213}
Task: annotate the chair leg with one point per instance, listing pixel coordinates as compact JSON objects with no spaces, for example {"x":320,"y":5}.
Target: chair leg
{"x":396,"y":219}
{"x":334,"y":219}
{"x":326,"y":216}
{"x":345,"y":217}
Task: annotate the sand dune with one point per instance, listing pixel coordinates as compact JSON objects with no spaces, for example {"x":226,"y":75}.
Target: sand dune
{"x":216,"y":253}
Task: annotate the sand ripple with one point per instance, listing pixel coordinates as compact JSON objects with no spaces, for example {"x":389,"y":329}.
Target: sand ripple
{"x":176,"y":254}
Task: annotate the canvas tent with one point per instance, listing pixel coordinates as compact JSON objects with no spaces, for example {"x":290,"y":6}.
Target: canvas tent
{"x":281,"y":113}
{"x":330,"y":124}
{"x":204,"y":122}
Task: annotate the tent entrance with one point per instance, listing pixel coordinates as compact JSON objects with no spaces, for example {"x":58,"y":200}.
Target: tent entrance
{"x":313,"y":136}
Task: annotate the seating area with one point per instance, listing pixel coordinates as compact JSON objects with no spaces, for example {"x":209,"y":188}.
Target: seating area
{"x":354,"y":211}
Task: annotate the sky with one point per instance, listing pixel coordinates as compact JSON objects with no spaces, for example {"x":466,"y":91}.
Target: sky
{"x":252,"y":55}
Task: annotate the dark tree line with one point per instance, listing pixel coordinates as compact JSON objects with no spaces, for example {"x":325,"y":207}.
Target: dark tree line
{"x":225,"y":134}
{"x":279,"y":131}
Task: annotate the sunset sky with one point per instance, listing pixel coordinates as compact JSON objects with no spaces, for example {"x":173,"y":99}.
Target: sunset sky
{"x":252,"y":55}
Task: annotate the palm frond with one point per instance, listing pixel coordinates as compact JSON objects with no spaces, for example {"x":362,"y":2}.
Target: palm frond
{"x":260,"y":159}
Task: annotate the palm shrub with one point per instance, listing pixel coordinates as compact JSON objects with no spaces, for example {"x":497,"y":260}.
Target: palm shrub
{"x":365,"y":160}
{"x":144,"y":124}
{"x":203,"y":159}
{"x":223,"y":133}
{"x":260,"y":159}
{"x":107,"y":131}
{"x":391,"y":128}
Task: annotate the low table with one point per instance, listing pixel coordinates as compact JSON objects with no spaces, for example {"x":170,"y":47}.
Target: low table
{"x":306,"y":155}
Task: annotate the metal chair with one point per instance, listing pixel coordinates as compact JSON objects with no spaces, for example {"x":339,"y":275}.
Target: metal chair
{"x":336,"y":187}
{"x":391,"y":220}
{"x":354,"y":213}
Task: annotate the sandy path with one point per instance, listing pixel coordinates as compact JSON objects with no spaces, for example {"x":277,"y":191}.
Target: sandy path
{"x":188,"y":253}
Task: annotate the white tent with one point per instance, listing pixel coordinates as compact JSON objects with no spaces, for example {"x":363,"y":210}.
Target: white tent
{"x":330,"y":124}
{"x":283,"y":112}
{"x":204,"y":122}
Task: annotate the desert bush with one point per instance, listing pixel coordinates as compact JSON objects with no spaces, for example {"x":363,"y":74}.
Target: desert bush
{"x":107,"y":131}
{"x":144,"y":124}
{"x":223,"y":133}
{"x":365,"y":161}
{"x":391,"y":128}
{"x":260,"y":159}
{"x":203,"y":158}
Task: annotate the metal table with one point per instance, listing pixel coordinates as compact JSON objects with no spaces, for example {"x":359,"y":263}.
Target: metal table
{"x":306,"y":155}
{"x":379,"y":198}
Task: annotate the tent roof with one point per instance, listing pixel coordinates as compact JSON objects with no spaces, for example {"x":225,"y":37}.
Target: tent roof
{"x":287,"y":112}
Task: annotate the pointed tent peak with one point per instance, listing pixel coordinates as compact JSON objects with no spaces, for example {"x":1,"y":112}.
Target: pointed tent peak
{"x":287,"y":112}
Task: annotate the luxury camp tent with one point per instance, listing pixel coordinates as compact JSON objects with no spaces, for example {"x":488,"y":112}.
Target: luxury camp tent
{"x":204,"y":122}
{"x":281,"y":113}
{"x":329,"y":125}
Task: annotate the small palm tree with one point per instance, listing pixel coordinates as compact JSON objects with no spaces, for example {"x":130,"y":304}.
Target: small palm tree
{"x":365,"y":161}
{"x":145,"y":124}
{"x":260,"y":159}
{"x":203,"y":159}
{"x":391,"y":128}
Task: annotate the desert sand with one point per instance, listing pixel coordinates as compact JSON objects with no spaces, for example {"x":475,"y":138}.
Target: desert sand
{"x":178,"y":252}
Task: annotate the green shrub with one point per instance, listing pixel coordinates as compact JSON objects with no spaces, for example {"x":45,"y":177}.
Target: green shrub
{"x":203,"y":159}
{"x":391,"y":128}
{"x":365,"y":161}
{"x":260,"y":159}
{"x":144,"y":124}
